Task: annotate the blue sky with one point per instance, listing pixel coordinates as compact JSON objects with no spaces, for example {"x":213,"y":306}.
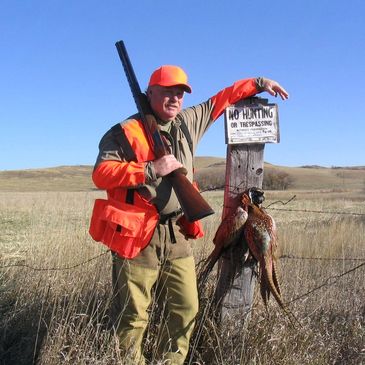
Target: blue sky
{"x":62,"y":85}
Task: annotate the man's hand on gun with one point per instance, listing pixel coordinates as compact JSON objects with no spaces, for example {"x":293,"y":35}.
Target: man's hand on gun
{"x":166,"y":164}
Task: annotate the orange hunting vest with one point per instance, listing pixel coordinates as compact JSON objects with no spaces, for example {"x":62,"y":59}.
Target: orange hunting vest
{"x":125,"y":222}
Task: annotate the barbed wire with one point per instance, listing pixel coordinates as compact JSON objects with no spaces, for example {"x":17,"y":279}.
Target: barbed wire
{"x":104,"y":253}
{"x":281,"y":202}
{"x":309,"y":292}
{"x":287,"y":202}
{"x":55,"y":268}
{"x":321,"y":258}
{"x":307,"y":210}
{"x":318,"y":211}
{"x":326,"y":283}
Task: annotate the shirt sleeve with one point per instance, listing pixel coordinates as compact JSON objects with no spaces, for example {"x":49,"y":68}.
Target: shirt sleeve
{"x":241,"y":89}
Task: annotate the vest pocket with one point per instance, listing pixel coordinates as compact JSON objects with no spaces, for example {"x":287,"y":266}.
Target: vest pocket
{"x":97,"y":225}
{"x":124,"y":228}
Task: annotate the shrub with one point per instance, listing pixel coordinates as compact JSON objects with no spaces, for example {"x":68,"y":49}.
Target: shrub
{"x":215,"y":179}
{"x":277,"y":181}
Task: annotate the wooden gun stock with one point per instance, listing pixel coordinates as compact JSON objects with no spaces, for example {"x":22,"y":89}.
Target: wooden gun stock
{"x":191,"y":202}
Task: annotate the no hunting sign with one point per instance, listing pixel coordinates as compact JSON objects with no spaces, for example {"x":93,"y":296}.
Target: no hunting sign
{"x":252,"y":123}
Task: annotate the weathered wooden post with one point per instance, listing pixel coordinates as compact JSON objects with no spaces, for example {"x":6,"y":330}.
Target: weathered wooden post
{"x":249,"y":125}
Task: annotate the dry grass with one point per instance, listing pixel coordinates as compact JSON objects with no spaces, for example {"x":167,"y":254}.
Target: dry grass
{"x":61,"y":316}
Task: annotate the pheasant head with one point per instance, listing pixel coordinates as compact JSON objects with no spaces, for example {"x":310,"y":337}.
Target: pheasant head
{"x":253,"y":197}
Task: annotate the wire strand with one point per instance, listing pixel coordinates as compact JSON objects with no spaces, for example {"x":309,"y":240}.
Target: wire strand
{"x":318,"y":211}
{"x":321,"y":258}
{"x":55,"y":268}
{"x":326,"y":283}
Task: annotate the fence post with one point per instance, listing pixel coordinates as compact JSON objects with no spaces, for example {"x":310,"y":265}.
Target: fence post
{"x":236,"y":274}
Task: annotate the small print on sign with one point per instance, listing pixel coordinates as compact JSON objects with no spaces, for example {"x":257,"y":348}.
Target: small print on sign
{"x":252,"y":124}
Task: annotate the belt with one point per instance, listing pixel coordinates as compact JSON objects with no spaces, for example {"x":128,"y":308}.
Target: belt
{"x":165,"y":218}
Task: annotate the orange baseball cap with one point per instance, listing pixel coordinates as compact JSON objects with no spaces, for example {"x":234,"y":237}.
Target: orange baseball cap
{"x":168,"y":75}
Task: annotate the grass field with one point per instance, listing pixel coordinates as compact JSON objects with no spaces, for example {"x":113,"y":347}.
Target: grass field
{"x":55,"y":284}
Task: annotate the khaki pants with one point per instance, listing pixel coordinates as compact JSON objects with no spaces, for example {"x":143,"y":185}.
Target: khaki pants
{"x":175,"y":281}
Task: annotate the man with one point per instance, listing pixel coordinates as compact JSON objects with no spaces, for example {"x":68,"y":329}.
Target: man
{"x":140,"y":195}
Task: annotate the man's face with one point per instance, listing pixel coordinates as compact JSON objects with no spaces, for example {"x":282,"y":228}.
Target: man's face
{"x":166,"y":102}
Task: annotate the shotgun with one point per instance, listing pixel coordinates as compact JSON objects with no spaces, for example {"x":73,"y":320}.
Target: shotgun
{"x":191,"y":202}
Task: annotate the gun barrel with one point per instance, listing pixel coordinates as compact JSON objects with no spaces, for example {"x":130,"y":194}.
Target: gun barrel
{"x":128,"y":69}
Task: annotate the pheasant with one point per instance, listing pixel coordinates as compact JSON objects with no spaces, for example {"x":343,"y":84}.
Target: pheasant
{"x":261,"y":236}
{"x":230,"y":231}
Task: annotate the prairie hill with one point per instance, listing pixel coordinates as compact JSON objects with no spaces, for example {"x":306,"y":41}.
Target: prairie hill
{"x":61,"y":178}
{"x":78,"y":178}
